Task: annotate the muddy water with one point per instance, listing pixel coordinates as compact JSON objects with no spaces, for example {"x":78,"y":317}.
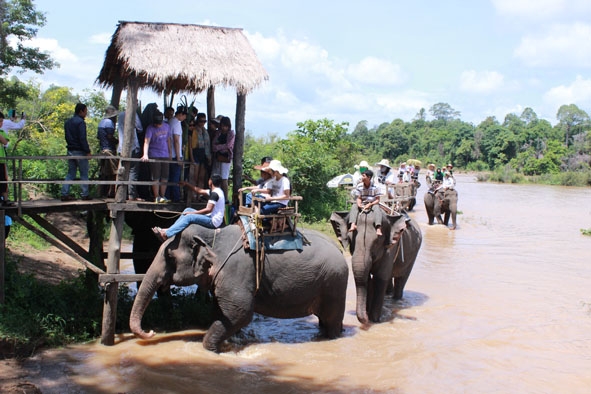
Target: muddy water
{"x":502,"y":304}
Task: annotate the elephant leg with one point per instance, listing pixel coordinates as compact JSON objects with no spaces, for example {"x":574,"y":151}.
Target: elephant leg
{"x":376,"y":300}
{"x":399,"y":284}
{"x":227,"y":322}
{"x":331,"y":310}
{"x":446,"y":218}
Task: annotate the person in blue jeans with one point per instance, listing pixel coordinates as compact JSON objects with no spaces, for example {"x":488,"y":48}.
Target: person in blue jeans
{"x":77,"y":145}
{"x":212,"y":216}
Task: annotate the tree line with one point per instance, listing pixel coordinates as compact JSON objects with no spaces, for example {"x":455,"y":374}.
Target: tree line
{"x":317,"y":150}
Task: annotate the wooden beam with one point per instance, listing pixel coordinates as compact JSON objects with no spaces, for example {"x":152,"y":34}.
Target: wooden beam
{"x":59,"y":235}
{"x":2,"y":254}
{"x":118,"y":217}
{"x":59,"y":245}
{"x":120,"y":278}
{"x":239,"y":125}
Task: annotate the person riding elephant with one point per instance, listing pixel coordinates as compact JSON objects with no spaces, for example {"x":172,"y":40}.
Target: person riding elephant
{"x":375,"y":261}
{"x":442,"y":201}
{"x":289,"y":284}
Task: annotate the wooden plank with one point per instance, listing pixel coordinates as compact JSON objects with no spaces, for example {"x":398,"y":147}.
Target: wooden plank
{"x":120,"y":278}
{"x":60,"y":235}
{"x":60,"y":246}
{"x":2,"y":254}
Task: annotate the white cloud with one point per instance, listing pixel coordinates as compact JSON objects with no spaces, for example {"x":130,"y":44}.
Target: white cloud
{"x":266,"y":48}
{"x":578,"y":91}
{"x":372,"y":70}
{"x":481,"y":82}
{"x":561,"y":45}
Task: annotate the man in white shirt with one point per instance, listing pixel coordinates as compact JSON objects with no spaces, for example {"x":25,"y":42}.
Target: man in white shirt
{"x":12,"y":124}
{"x":173,"y":192}
{"x":212,"y":216}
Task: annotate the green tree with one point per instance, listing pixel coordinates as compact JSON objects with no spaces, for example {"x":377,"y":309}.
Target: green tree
{"x":571,"y":120}
{"x":19,"y":22}
{"x":315,"y":153}
{"x":444,"y":112}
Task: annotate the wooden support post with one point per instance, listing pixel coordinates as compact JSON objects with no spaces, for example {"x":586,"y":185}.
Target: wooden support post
{"x":2,"y":255}
{"x":238,"y":146}
{"x":114,"y":248}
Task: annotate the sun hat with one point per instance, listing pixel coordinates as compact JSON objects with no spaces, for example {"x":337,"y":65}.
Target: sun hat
{"x":217,"y":119}
{"x":384,"y":162}
{"x":363,"y":163}
{"x":275,"y":165}
{"x":110,"y":112}
{"x":431,"y":166}
{"x":263,"y":167}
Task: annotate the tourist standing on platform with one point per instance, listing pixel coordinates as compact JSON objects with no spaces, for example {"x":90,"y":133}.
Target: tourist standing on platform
{"x":173,"y":191}
{"x":3,"y":170}
{"x":157,"y":146}
{"x":108,"y":147}
{"x":77,"y":145}
{"x":199,"y":149}
{"x":12,"y":124}
{"x":136,"y":152}
{"x":222,"y":148}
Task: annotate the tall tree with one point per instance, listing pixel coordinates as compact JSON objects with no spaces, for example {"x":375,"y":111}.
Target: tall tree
{"x":19,"y":22}
{"x":571,"y":118}
{"x":444,"y":111}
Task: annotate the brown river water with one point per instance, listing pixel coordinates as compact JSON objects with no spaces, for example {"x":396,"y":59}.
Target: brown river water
{"x":501,"y":305}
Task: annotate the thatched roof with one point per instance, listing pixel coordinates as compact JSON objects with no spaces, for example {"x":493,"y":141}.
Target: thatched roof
{"x":180,"y":57}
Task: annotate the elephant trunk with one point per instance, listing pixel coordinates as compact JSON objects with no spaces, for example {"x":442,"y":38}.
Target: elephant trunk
{"x":145,"y":293}
{"x":361,"y":268}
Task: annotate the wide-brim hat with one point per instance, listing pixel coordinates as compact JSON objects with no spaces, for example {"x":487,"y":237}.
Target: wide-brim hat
{"x":264,"y":167}
{"x":275,"y":165}
{"x":384,"y":162}
{"x":431,"y":166}
{"x":363,"y":163}
{"x":111,"y":112}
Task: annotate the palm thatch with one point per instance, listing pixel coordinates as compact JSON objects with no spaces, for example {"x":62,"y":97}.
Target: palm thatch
{"x":180,"y":57}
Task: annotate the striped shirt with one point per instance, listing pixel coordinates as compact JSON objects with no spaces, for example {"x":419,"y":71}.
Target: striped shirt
{"x":369,"y":194}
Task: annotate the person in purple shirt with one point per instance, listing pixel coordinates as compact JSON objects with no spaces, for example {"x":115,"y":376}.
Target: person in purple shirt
{"x":157,"y":146}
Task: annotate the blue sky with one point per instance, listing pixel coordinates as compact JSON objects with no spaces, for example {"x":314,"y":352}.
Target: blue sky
{"x":351,"y":61}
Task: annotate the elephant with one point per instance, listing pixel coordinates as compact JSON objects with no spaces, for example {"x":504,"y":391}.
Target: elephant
{"x":376,"y":262}
{"x":291,"y":284}
{"x":442,"y":202}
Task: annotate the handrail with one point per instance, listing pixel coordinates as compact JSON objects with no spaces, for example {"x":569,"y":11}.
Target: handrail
{"x":17,"y":180}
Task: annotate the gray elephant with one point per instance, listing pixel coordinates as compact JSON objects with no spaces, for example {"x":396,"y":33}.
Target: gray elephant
{"x":442,"y":201}
{"x":293,"y":283}
{"x":375,"y":262}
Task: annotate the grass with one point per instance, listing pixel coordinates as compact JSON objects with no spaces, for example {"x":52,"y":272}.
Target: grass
{"x":509,"y":175}
{"x":38,"y":315}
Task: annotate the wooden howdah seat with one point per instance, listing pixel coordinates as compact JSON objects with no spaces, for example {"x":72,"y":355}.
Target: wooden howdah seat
{"x":283,"y":222}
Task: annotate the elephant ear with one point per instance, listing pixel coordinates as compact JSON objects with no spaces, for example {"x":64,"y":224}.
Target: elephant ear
{"x":204,"y":256}
{"x":339,"y":219}
{"x":397,"y":222}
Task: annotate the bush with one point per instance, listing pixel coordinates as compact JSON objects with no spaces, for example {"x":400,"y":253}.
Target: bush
{"x":36,"y":314}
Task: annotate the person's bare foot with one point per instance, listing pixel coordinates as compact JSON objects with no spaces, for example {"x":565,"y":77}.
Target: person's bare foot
{"x":379,"y":231}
